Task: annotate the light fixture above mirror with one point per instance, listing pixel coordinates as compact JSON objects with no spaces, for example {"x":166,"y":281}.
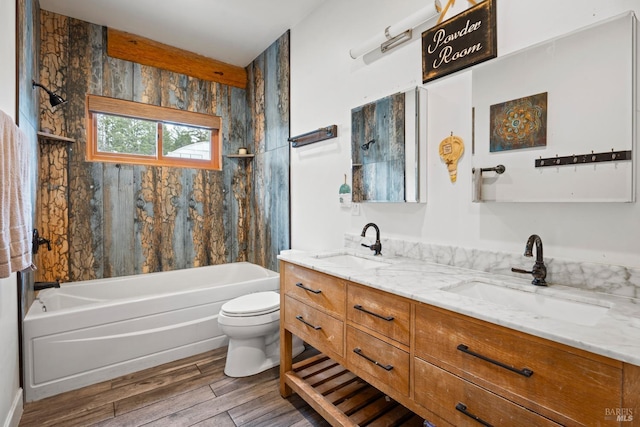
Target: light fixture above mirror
{"x":397,"y":34}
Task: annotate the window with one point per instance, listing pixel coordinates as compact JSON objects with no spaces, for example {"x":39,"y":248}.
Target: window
{"x":129,"y":132}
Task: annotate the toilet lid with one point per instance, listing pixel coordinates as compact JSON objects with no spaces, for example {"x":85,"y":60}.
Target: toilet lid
{"x":254,"y":304}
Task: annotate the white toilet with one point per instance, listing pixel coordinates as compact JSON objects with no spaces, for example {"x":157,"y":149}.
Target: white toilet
{"x":252,"y":323}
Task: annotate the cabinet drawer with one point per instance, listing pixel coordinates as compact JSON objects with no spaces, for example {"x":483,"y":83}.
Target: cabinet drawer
{"x":317,"y":289}
{"x":384,"y":313}
{"x":377,"y":362}
{"x":322,"y":331}
{"x":441,"y":392}
{"x":544,"y":376}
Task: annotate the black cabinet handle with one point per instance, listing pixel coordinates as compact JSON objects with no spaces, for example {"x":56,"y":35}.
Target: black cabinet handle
{"x":315,"y":291}
{"x":463,"y":408}
{"x":375,"y":362}
{"x":380,"y":316}
{"x":300,"y":318}
{"x":524,"y":371}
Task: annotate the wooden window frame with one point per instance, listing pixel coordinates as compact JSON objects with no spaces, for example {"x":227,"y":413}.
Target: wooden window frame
{"x":96,"y":104}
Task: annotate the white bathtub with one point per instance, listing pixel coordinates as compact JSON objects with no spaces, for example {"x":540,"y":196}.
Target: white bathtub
{"x":100,"y":329}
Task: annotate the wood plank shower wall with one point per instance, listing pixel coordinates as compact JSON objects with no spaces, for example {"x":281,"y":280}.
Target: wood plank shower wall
{"x":107,"y":220}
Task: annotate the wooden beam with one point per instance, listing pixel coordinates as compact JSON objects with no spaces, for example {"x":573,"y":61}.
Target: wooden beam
{"x":144,"y":51}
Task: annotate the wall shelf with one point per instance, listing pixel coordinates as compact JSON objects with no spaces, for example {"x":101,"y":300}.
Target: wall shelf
{"x":49,"y":137}
{"x":240,"y":156}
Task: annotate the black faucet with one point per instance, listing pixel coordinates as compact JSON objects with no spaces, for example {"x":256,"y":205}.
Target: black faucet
{"x":38,"y":286}
{"x":539,"y":270}
{"x":37,"y":240}
{"x":377,"y":246}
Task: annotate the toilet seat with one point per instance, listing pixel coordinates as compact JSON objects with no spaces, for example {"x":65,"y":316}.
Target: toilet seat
{"x":256,"y":304}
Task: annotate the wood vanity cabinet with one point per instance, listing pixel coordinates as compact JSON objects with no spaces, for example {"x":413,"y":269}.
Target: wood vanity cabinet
{"x":562,"y":383}
{"x":312,"y":306}
{"x":449,"y":368}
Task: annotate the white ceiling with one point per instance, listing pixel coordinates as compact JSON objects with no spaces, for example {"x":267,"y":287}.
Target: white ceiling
{"x":231,"y":31}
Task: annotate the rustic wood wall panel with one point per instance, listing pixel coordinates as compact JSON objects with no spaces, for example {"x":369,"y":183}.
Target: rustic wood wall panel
{"x":52,"y":198}
{"x":147,"y":248}
{"x":221,"y":106}
{"x":217,"y":248}
{"x":242,"y":178}
{"x":170,"y":188}
{"x":280,"y":234}
{"x":147,"y":241}
{"x":28,"y":43}
{"x":269,"y":100}
{"x":124,"y":219}
{"x":85,"y":179}
{"x":117,"y":78}
{"x":257,"y":122}
{"x":174,"y":182}
{"x":28,"y":51}
{"x":276,"y":81}
{"x":118,"y":220}
{"x":197,"y":226}
{"x":53,"y":71}
{"x":277,"y":124}
{"x":197,"y":235}
{"x":145,"y":88}
{"x":53,"y":211}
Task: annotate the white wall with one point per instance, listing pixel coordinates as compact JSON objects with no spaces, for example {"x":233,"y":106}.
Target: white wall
{"x":326,"y":84}
{"x":10,"y":392}
{"x":8,"y":57}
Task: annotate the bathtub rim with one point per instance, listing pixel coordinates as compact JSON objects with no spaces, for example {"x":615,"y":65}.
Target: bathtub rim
{"x":33,"y":313}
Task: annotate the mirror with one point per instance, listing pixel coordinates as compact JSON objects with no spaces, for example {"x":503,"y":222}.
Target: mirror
{"x":388,"y":164}
{"x":560,"y":116}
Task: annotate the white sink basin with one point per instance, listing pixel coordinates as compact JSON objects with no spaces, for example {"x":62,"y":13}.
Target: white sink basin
{"x":352,"y":261}
{"x":573,"y":311}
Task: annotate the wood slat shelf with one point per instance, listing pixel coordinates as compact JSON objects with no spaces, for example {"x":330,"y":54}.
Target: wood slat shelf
{"x":343,"y":399}
{"x":49,"y":137}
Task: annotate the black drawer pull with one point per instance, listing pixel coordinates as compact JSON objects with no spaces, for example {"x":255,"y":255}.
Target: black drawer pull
{"x":524,"y":371}
{"x":380,"y":316}
{"x":300,"y":318}
{"x":463,"y":408}
{"x":375,"y":362}
{"x":315,"y":291}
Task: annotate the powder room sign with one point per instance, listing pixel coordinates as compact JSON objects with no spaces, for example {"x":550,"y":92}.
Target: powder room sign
{"x":460,"y":42}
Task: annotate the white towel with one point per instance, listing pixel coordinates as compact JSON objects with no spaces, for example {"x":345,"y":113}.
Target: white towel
{"x":15,"y":198}
{"x":477,"y":185}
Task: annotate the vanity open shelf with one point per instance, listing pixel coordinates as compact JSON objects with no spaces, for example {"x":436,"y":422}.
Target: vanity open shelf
{"x":343,"y":396}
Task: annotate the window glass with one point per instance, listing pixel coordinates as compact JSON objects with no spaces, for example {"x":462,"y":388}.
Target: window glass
{"x":186,"y":142}
{"x":125,"y":135}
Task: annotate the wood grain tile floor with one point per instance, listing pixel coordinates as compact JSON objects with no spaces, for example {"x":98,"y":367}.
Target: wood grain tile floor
{"x":188,"y":392}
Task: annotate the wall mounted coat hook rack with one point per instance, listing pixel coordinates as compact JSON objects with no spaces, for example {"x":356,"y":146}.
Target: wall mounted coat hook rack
{"x":610,"y":156}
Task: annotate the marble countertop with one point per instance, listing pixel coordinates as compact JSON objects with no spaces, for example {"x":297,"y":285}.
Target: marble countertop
{"x":614,"y":332}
